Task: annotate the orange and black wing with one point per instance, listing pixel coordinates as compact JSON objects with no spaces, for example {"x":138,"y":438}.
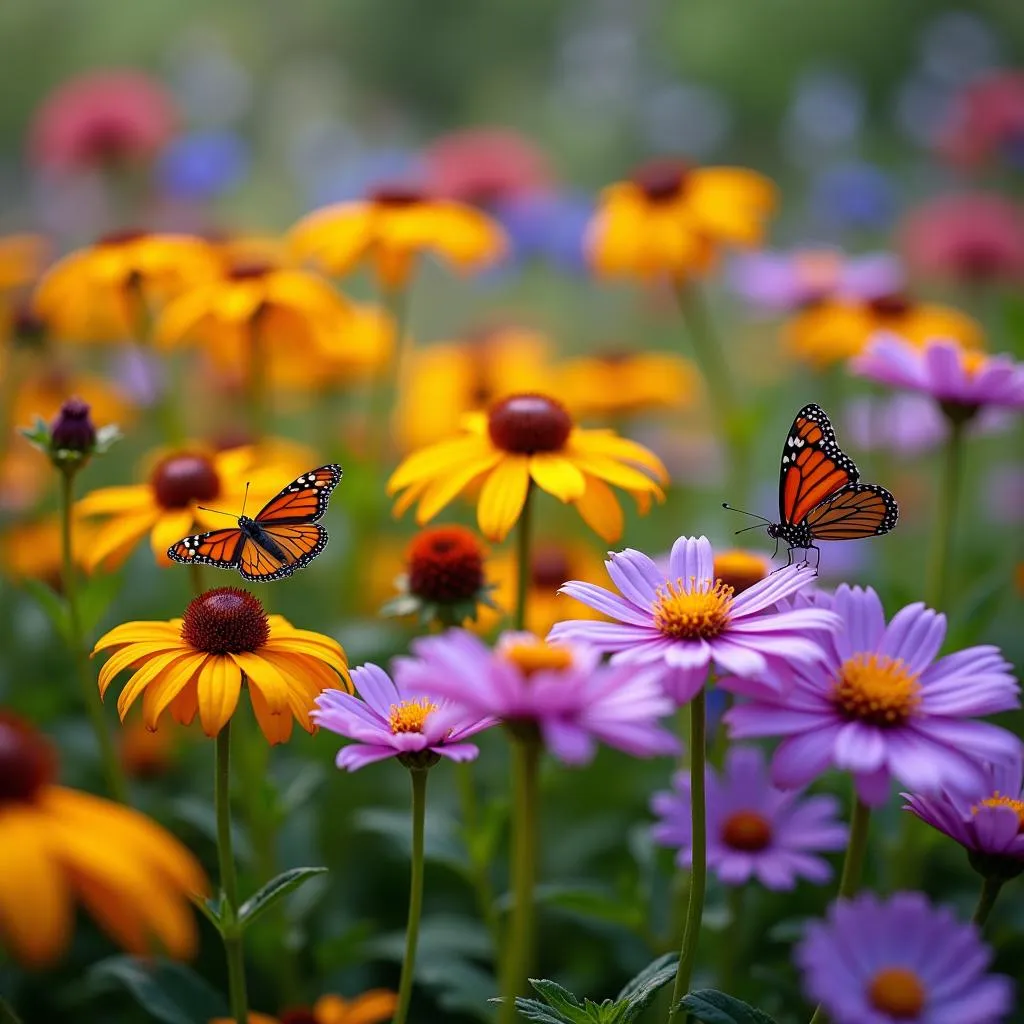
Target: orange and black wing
{"x":813,"y":467}
{"x":304,"y":500}
{"x":858,"y":510}
{"x":296,"y":544}
{"x":221,"y":548}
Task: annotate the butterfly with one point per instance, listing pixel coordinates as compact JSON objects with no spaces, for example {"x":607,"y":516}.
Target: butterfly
{"x":284,"y":535}
{"x":820,"y":497}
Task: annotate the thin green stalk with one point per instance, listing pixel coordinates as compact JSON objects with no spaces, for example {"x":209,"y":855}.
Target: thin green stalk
{"x":482,"y":888}
{"x":412,"y":930}
{"x":7,"y":1015}
{"x":987,"y":899}
{"x":698,"y":872}
{"x":523,"y":559}
{"x":231,"y":932}
{"x":90,"y":694}
{"x":941,"y":557}
{"x":526,"y":751}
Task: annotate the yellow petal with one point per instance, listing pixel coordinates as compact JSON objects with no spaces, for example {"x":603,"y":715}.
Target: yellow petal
{"x":140,"y":632}
{"x":152,"y":669}
{"x":266,"y":678}
{"x":557,"y":475}
{"x":444,"y":489}
{"x":437,"y":460}
{"x":128,"y":655}
{"x":218,"y":687}
{"x":109,"y":500}
{"x":167,"y":530}
{"x":730,"y":203}
{"x":115,"y":540}
{"x":276,"y":726}
{"x":502,"y":496}
{"x":163,"y":692}
{"x":615,"y":472}
{"x":600,"y":510}
{"x":607,"y":442}
{"x":336,"y":237}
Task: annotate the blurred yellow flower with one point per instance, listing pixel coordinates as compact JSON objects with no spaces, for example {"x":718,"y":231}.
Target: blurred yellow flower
{"x":372,"y":1007}
{"x":829,"y":332}
{"x":391,"y":228}
{"x":32,"y":550}
{"x":741,"y":569}
{"x":671,"y":217}
{"x":61,"y":846}
{"x":47,"y":385}
{"x":196,"y":664}
{"x":528,"y":440}
{"x":24,"y":474}
{"x":145,"y":753}
{"x":22,"y":258}
{"x":108,"y":291}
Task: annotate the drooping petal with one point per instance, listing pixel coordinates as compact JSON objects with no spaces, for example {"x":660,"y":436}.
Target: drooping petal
{"x":219,"y":687}
{"x":502,"y":497}
{"x":600,"y":510}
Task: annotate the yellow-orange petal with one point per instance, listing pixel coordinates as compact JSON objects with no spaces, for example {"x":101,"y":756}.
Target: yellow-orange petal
{"x":148,"y":631}
{"x":185,"y":706}
{"x":607,"y":442}
{"x":502,"y":496}
{"x":116,"y":539}
{"x":437,"y":459}
{"x":730,"y":204}
{"x":173,"y":661}
{"x":335,"y":237}
{"x":446,"y":488}
{"x":165,"y":691}
{"x":372,"y":1007}
{"x":265,"y":677}
{"x":276,"y":726}
{"x":614,"y":472}
{"x":116,"y":500}
{"x":600,"y":510}
{"x":219,"y":685}
{"x":557,"y":475}
{"x":171,"y":527}
{"x":131,"y":653}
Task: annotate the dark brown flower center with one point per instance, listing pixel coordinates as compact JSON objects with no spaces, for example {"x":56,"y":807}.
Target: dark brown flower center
{"x":300,"y":1015}
{"x":225,"y":621}
{"x":662,"y":180}
{"x":747,"y":831}
{"x":529,"y":423}
{"x":446,"y":564}
{"x":549,"y":567}
{"x":182,"y":479}
{"x":27,"y":761}
{"x":250,"y":271}
{"x":397,"y":195}
{"x":122,"y":237}
{"x":893,"y":307}
{"x":72,"y":428}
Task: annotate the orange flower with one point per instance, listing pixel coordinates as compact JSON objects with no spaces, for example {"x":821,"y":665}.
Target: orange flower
{"x":372,"y":1007}
{"x":21,"y":260}
{"x":32,"y":550}
{"x":24,"y":474}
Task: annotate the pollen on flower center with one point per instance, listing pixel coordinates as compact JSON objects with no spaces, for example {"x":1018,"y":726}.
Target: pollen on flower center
{"x":998,"y":800}
{"x":661,"y":180}
{"x":898,"y":992}
{"x":225,"y":621}
{"x":179,"y":480}
{"x":747,"y":831}
{"x":698,"y":611}
{"x":532,"y":656}
{"x":27,"y":762}
{"x":877,"y":689}
{"x":529,"y":423}
{"x":410,"y":715}
{"x":446,"y":564}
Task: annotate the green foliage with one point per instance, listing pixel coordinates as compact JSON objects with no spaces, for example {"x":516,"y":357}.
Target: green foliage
{"x":169,"y":992}
{"x":273,"y":892}
{"x":710,"y":1006}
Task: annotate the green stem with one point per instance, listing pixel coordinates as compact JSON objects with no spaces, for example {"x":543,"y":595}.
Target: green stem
{"x":482,"y":887}
{"x":523,"y":560}
{"x":231,"y":932}
{"x":941,"y":557}
{"x":698,"y":872}
{"x":526,"y":751}
{"x":412,"y":931}
{"x":986,"y":900}
{"x":90,"y":695}
{"x":7,"y":1014}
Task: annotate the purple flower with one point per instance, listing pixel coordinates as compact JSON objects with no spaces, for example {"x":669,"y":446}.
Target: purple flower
{"x":754,"y":829}
{"x":946,"y":372}
{"x":882,"y":705}
{"x":686,"y":620}
{"x":901,"y":961}
{"x":562,"y":690}
{"x":395,"y":720}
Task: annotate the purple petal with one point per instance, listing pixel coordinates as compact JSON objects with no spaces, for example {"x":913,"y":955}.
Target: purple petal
{"x":636,"y":576}
{"x":873,"y":787}
{"x":863,"y":621}
{"x":356,"y":756}
{"x":914,"y":636}
{"x":459,"y":751}
{"x":568,"y":742}
{"x":859,"y":748}
{"x":771,"y":590}
{"x":605,"y":601}
{"x":750,"y":721}
{"x":800,"y":759}
{"x":374,"y":685}
{"x":736,"y":658}
{"x":681,"y":685}
{"x":608,"y":636}
{"x":691,"y":558}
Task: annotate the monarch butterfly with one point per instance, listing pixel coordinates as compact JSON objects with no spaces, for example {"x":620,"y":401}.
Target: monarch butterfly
{"x":819,"y":494}
{"x":283,"y":537}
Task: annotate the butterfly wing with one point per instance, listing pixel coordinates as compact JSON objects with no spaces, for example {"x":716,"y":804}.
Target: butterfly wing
{"x":855,"y":511}
{"x":289,"y":547}
{"x":304,"y":500}
{"x":813,"y":467}
{"x":221,"y":548}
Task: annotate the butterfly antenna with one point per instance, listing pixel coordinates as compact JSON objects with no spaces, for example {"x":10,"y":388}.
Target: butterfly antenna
{"x":245,"y":497}
{"x":732,"y":508}
{"x":756,"y":526}
{"x":217,"y":511}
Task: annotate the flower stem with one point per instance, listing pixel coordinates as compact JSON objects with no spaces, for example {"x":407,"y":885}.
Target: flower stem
{"x":412,"y":930}
{"x":526,"y":752}
{"x":7,"y":1015}
{"x":698,"y":872}
{"x":523,"y":560}
{"x":90,"y":695}
{"x":986,"y":901}
{"x":941,"y":557}
{"x":230,"y":929}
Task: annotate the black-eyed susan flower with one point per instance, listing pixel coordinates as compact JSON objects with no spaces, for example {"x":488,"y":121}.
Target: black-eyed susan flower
{"x":61,"y":847}
{"x":371,"y":1007}
{"x":671,"y":217}
{"x":106,"y":292}
{"x":197,"y":664}
{"x":45,"y":387}
{"x":524,"y":441}
{"x":31,"y":550}
{"x":741,"y":569}
{"x":391,"y":228}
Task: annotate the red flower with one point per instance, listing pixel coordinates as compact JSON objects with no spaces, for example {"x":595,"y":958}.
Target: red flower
{"x":102,"y":118}
{"x":988,"y":118}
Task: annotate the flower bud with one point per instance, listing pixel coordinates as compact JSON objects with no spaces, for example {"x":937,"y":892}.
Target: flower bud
{"x":72,"y":428}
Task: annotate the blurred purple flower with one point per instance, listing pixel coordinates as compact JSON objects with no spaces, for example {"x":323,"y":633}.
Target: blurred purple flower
{"x":882,"y":705}
{"x":203,"y":165}
{"x":139,"y":374}
{"x":548,"y":226}
{"x":853,"y":196}
{"x":754,"y":831}
{"x":879,"y":962}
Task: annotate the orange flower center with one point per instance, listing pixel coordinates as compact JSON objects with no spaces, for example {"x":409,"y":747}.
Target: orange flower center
{"x":180,"y":480}
{"x":972,"y":362}
{"x":446,"y":564}
{"x":747,"y":831}
{"x":250,"y":271}
{"x":533,"y":656}
{"x":409,"y":715}
{"x":741,"y":569}
{"x":898,"y":992}
{"x":891,"y":307}
{"x":397,"y":195}
{"x":225,"y":621}
{"x":998,"y":800}
{"x":549,"y":567}
{"x":661,"y":181}
{"x":27,"y":761}
{"x":525,"y":424}
{"x":699,"y":611}
{"x":877,"y":689}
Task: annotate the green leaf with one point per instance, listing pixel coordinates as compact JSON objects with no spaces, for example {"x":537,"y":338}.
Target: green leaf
{"x":106,"y":437}
{"x":535,"y":1010}
{"x":95,"y":596}
{"x":167,"y":991}
{"x":210,"y":909}
{"x":274,"y":891}
{"x":53,"y":605}
{"x":591,"y":903}
{"x":710,"y":1006}
{"x":558,"y":998}
{"x":638,"y":992}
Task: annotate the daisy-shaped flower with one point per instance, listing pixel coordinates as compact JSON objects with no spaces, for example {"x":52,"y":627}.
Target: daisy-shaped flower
{"x":62,"y":847}
{"x":198,"y":663}
{"x":754,"y":831}
{"x":525,"y":441}
{"x":560,"y":690}
{"x":684,"y":621}
{"x":391,"y":228}
{"x":900,"y":960}
{"x":395,"y":719}
{"x":670,"y":218}
{"x":882,"y":704}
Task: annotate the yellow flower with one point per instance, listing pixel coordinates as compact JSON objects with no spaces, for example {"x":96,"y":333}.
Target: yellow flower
{"x":107,"y":291}
{"x":671,"y":218}
{"x":829,"y":332}
{"x":21,"y":260}
{"x":741,"y":569}
{"x":24,"y":474}
{"x":32,"y":550}
{"x":526,"y":440}
{"x":61,"y":846}
{"x":372,"y":1007}
{"x":391,"y":228}
{"x":167,"y":505}
{"x":624,"y":384}
{"x":197,"y":664}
